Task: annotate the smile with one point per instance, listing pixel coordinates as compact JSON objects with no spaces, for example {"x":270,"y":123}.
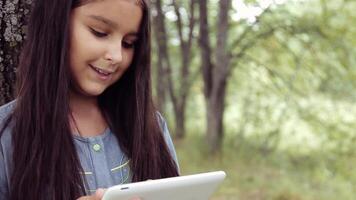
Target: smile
{"x":102,"y":74}
{"x":101,"y":71}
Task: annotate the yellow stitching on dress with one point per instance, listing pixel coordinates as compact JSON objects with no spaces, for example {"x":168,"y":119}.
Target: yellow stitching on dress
{"x":119,"y":167}
{"x":127,"y":177}
{"x":86,"y":173}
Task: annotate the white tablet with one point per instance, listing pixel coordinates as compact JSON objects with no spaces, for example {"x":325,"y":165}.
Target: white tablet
{"x":192,"y":187}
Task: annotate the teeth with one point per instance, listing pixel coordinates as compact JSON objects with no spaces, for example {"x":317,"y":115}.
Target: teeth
{"x":101,"y":71}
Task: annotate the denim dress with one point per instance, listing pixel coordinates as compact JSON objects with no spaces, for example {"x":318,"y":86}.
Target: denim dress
{"x":103,"y":162}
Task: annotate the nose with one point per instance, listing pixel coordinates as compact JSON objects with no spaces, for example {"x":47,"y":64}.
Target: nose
{"x":114,"y":54}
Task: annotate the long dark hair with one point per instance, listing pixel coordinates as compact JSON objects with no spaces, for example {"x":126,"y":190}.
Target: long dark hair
{"x":45,"y":163}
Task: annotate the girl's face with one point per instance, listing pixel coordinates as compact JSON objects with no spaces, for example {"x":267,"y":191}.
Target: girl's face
{"x":102,"y":41}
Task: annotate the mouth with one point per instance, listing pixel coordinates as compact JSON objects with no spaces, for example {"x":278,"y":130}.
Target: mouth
{"x":101,"y":71}
{"x":102,"y":74}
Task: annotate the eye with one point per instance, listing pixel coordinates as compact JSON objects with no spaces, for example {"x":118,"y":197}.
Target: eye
{"x":128,"y":45}
{"x":98,"y":33}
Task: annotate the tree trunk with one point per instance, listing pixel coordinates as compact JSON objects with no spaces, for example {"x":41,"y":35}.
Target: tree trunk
{"x":179,"y":94}
{"x":204,"y":43}
{"x":13,"y":18}
{"x":215,"y":113}
{"x":215,"y":75}
{"x":162,"y":58}
{"x":180,"y":121}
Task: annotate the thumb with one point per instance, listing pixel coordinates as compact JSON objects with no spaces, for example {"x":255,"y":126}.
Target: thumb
{"x":99,"y":193}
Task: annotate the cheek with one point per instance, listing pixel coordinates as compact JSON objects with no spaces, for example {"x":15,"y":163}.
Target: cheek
{"x":82,"y":44}
{"x":128,"y":58}
{"x":129,"y":55}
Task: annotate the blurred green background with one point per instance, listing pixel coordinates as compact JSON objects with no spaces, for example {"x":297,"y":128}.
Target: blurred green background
{"x":289,"y":118}
{"x":262,"y":89}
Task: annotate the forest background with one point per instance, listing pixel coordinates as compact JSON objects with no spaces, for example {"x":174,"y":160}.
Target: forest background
{"x":262,"y":89}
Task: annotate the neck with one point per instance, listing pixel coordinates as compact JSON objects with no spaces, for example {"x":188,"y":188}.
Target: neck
{"x":81,"y":104}
{"x":88,"y":119}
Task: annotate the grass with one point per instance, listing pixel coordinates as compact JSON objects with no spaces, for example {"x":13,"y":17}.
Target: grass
{"x":255,"y":175}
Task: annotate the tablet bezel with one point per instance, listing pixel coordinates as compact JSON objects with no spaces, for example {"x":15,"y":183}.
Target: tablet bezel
{"x":197,"y":187}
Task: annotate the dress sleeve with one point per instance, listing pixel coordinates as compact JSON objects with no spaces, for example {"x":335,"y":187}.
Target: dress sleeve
{"x":5,"y":150}
{"x":168,"y":139}
{"x":4,"y":188}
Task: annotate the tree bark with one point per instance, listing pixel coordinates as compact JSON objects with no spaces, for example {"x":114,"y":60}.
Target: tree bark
{"x":13,"y":19}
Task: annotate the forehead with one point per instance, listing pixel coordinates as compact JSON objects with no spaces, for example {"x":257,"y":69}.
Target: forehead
{"x":124,"y":14}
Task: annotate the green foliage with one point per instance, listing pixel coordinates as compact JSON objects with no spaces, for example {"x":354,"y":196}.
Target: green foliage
{"x":290,"y":115}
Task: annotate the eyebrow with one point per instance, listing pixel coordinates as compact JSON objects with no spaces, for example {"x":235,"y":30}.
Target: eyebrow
{"x":109,"y":23}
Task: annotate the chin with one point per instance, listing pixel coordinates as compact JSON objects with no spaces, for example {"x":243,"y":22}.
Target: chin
{"x":94,"y":92}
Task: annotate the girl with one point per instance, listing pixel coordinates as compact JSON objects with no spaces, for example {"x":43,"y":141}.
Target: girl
{"x":83,"y":118}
